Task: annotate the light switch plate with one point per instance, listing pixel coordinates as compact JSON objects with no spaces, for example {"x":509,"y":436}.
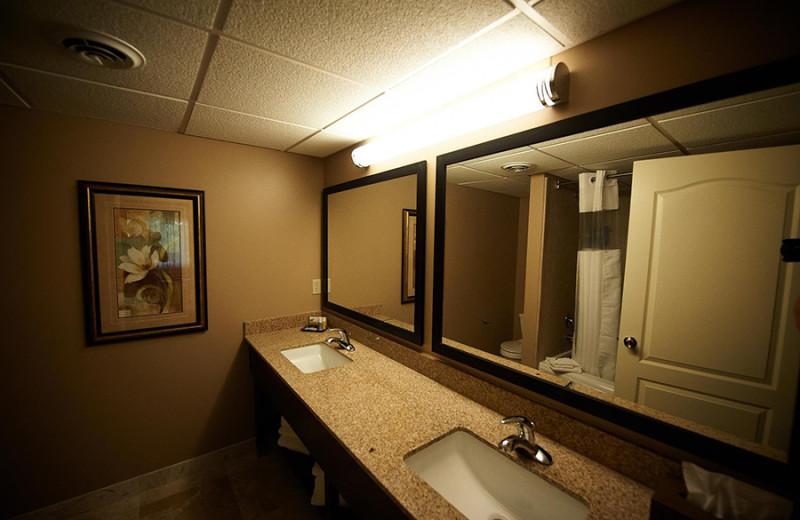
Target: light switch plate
{"x":316,"y":286}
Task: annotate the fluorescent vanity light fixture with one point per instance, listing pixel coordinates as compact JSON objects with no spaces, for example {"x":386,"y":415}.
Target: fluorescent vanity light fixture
{"x":520,"y":94}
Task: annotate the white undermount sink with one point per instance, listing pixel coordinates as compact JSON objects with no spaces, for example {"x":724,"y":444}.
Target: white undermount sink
{"x":485,"y":485}
{"x":316,"y":357}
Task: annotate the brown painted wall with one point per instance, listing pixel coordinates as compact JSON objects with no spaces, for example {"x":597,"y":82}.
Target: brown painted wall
{"x":75,"y":419}
{"x":481,"y":237}
{"x":522,"y":253}
{"x":559,"y":264}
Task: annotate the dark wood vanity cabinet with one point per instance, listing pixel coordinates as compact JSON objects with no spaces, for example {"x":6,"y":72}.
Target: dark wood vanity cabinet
{"x":343,"y":473}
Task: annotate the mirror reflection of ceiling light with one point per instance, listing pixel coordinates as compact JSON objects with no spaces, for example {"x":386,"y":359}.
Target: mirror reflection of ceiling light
{"x":520,"y":94}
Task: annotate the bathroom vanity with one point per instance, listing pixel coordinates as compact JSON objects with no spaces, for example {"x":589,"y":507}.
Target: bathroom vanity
{"x":363,"y":419}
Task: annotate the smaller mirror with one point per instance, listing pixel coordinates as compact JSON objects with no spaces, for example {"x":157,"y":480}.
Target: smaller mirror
{"x":373,"y":240}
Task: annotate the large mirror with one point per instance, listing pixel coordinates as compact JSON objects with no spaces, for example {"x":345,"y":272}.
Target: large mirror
{"x":373,"y":236}
{"x":538,"y":239}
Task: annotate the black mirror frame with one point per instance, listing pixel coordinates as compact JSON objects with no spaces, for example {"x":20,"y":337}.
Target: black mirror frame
{"x":420,"y":169}
{"x":783,"y":478}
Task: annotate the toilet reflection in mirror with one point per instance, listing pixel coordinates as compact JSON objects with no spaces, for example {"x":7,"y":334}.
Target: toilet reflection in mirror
{"x":512,"y":349}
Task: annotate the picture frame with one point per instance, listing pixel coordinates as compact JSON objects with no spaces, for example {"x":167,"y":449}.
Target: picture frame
{"x":144,"y":262}
{"x":408,"y":274}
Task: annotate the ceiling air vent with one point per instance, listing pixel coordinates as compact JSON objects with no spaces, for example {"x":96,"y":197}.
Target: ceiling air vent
{"x":102,"y":50}
{"x":516,"y":167}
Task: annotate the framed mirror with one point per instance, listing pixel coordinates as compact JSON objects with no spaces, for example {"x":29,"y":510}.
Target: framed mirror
{"x":373,"y":240}
{"x":510,"y":207}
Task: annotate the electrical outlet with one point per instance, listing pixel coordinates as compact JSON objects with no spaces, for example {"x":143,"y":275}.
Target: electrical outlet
{"x":316,"y":286}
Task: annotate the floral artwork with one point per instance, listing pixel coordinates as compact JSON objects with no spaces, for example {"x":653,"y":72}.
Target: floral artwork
{"x":143,"y":255}
{"x":148,"y":262}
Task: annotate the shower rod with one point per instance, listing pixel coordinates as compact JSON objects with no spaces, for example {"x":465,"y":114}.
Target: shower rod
{"x":609,"y":176}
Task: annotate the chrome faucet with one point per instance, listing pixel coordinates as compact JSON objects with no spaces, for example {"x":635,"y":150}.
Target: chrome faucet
{"x":343,"y":341}
{"x":525,"y":441}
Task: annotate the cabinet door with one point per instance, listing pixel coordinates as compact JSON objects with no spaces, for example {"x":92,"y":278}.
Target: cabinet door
{"x":706,"y":294}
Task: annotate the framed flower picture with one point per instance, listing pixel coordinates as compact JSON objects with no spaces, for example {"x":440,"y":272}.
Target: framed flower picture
{"x":143,"y":253}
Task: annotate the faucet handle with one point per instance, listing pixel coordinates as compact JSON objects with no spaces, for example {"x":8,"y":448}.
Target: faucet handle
{"x":526,"y":442}
{"x":342,"y":334}
{"x":526,"y":426}
{"x":343,"y":340}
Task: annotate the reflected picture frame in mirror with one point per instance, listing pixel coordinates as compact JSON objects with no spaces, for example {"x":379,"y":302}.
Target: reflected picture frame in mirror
{"x":779,"y":475}
{"x":408,"y":260}
{"x":408,"y":282}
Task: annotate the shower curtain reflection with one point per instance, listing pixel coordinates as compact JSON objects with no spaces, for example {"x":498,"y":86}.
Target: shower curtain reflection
{"x":599,"y":275}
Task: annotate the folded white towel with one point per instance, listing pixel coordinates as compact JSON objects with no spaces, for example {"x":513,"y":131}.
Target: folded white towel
{"x":564,"y":364}
{"x":288,"y":439}
{"x":318,"y":497}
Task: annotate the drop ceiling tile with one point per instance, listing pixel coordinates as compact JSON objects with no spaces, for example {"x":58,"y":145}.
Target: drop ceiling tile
{"x":597,"y":131}
{"x":323,"y":144}
{"x":235,"y":127}
{"x":540,"y":162}
{"x":28,"y":37}
{"x":758,"y":142}
{"x":582,"y":20}
{"x":509,"y":187}
{"x":248,"y":80}
{"x":741,"y":121}
{"x":626,"y":165}
{"x":570,"y":174}
{"x":521,"y":177}
{"x":457,"y":174}
{"x":630,"y":142}
{"x":197,"y":12}
{"x":8,"y":97}
{"x":376,"y":117}
{"x":736,"y":100}
{"x":377,"y":43}
{"x":71,"y":96}
{"x":504,"y":153}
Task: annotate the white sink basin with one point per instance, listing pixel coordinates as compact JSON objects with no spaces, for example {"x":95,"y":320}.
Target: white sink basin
{"x":484,"y":485}
{"x":316,"y":357}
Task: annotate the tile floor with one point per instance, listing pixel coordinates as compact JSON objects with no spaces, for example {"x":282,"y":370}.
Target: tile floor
{"x":236,"y":485}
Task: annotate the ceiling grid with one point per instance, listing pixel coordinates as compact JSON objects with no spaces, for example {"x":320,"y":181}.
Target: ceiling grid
{"x":290,"y":75}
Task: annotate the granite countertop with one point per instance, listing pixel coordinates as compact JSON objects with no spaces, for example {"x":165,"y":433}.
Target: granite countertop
{"x":381,"y":411}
